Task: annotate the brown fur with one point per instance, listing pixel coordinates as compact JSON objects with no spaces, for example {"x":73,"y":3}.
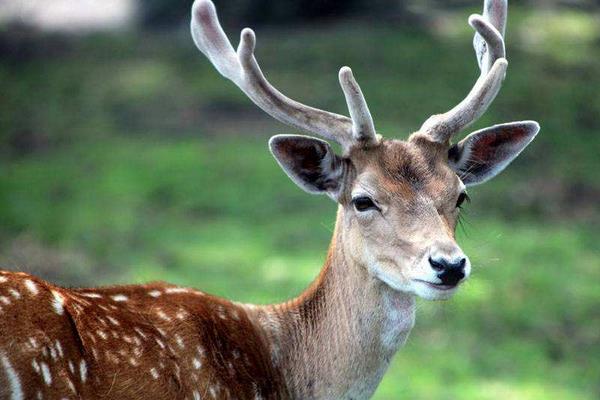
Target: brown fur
{"x":133,"y":345}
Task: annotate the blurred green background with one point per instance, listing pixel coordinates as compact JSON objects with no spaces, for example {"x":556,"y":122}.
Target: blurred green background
{"x":125,"y":157}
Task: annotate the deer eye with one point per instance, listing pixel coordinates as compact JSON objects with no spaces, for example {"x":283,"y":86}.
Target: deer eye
{"x":461,"y":199}
{"x":364,"y":203}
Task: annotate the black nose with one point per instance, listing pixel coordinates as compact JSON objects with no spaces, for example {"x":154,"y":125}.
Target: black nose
{"x":449,"y":272}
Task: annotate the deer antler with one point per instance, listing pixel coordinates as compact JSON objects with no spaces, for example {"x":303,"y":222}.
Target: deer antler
{"x":490,"y":52}
{"x":243,"y":70}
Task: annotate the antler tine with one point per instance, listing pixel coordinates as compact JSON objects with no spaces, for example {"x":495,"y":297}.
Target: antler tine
{"x":363,"y":129}
{"x":243,"y":70}
{"x":490,"y":52}
{"x":495,"y":13}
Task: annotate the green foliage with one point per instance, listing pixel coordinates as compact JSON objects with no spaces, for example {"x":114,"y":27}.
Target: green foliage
{"x":127,"y":158}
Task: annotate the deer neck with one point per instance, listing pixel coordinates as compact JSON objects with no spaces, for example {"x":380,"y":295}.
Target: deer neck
{"x":336,"y":340}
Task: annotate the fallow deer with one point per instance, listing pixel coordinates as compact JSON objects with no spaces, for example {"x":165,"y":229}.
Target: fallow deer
{"x":394,"y":240}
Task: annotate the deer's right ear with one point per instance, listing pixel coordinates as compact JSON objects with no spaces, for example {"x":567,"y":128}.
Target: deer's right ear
{"x":485,"y":153}
{"x":310,"y":163}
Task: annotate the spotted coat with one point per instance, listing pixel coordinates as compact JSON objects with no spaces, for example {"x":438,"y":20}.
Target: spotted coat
{"x":152,"y":341}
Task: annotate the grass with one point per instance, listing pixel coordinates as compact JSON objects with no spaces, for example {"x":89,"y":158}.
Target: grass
{"x":127,"y":159}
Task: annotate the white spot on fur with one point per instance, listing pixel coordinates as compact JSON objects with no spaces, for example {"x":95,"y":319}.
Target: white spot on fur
{"x":160,"y":343}
{"x":133,"y":362}
{"x":3,"y":279}
{"x":179,"y":341}
{"x":33,"y":342}
{"x":176,"y":290}
{"x":46,"y":373}
{"x":120,"y":297}
{"x":196,"y":363}
{"x":154,"y":293}
{"x":196,"y":395}
{"x":59,"y":348}
{"x":16,"y":391}
{"x":83,"y":370}
{"x":70,"y":384}
{"x":92,"y":295}
{"x":35,"y":365}
{"x":14,"y":293}
{"x":81,"y":301}
{"x":102,"y":334}
{"x":161,"y":314}
{"x":5,"y":300}
{"x":139,"y":332}
{"x":58,"y":302}
{"x":113,"y":320}
{"x":31,"y":286}
{"x":154,"y":373}
{"x":91,"y":336}
{"x":71,"y":367}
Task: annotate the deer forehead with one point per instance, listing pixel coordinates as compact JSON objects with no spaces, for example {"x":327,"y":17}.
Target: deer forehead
{"x":405,"y":171}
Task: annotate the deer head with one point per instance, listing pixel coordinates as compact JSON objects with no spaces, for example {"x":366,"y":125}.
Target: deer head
{"x":399,"y":200}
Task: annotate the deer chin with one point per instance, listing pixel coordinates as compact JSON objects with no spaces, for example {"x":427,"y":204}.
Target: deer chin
{"x":431,"y":291}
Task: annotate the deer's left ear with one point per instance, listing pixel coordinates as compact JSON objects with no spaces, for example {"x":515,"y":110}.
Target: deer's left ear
{"x":484,"y":154}
{"x":310,"y":163}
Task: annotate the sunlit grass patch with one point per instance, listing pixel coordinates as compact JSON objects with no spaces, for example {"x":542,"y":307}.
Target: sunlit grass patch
{"x":566,"y":36}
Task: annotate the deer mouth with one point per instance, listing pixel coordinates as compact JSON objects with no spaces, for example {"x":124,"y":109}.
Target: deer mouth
{"x":437,"y":286}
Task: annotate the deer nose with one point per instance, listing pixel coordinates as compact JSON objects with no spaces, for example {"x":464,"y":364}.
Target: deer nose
{"x":450,"y":272}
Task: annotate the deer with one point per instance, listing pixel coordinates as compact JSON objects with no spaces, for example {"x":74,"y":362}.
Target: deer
{"x":394,"y":241}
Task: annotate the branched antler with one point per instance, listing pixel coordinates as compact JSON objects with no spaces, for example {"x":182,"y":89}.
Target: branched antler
{"x":242,"y":69}
{"x":490,"y":52}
